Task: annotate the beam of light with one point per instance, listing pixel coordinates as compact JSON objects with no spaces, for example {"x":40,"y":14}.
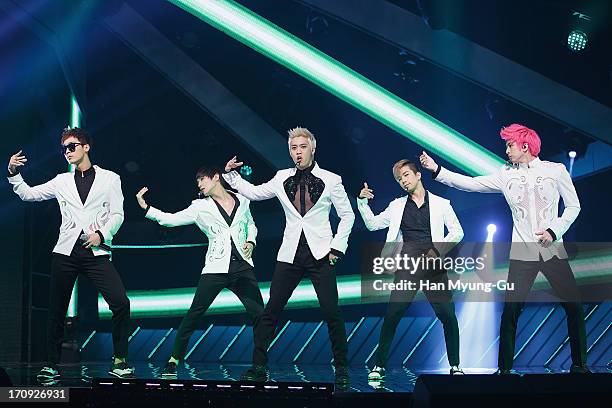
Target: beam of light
{"x":365,"y":95}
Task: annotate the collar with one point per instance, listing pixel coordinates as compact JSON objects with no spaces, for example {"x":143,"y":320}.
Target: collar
{"x":425,"y":201}
{"x":532,"y":164}
{"x":90,"y":171}
{"x":306,"y":170}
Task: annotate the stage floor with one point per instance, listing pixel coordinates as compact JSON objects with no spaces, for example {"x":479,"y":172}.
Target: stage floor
{"x":398,"y":379}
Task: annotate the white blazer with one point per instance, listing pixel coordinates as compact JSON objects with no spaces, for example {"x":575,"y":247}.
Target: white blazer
{"x":206,"y":215}
{"x":440,"y":214}
{"x":103,"y":208}
{"x":315,"y":222}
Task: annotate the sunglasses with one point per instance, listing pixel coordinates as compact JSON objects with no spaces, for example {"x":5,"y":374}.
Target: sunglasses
{"x":71,"y":147}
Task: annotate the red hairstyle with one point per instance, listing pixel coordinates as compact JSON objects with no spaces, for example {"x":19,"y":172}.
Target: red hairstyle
{"x":520,"y":135}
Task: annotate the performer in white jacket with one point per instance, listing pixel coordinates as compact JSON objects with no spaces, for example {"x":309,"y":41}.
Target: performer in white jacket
{"x":532,"y":189}
{"x":91,"y":203}
{"x":225,"y":219}
{"x":415,"y":225}
{"x":306,"y":193}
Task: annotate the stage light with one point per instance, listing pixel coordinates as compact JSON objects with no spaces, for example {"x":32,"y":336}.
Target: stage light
{"x":577,"y":40}
{"x":572,"y":154}
{"x":491,"y":228}
{"x":272,"y":41}
{"x":246,"y":171}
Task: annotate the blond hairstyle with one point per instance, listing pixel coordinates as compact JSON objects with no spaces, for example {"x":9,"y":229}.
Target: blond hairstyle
{"x":301,"y":132}
{"x":404,"y":162}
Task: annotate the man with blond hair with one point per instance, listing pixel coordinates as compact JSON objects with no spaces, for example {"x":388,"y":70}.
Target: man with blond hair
{"x":415,"y":224}
{"x":306,"y":193}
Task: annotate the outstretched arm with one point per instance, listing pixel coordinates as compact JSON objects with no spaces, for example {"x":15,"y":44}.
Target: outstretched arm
{"x":184,"y":217}
{"x":481,"y":184}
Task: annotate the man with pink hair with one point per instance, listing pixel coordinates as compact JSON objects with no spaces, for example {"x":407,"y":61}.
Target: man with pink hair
{"x":532,"y":188}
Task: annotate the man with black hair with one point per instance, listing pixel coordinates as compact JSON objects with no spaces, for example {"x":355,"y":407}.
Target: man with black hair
{"x":225,"y":218}
{"x":91,"y":204}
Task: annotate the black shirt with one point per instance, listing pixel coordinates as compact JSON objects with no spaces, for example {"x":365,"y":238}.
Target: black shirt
{"x":84,"y":180}
{"x":415,"y":225}
{"x":304,"y":189}
{"x":237,"y":262}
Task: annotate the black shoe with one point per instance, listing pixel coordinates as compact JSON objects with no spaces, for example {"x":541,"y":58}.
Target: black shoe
{"x":48,"y":373}
{"x":342,"y":375}
{"x":258,"y":373}
{"x":169,"y":370}
{"x":580,"y":369}
{"x":121,"y":370}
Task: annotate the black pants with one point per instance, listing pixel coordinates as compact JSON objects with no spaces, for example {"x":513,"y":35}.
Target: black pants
{"x":285,"y":279}
{"x":242,"y":283}
{"x":559,"y":274}
{"x":100,"y":270}
{"x":441,"y":302}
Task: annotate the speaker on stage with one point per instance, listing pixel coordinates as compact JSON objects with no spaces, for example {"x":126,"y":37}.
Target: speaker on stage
{"x":554,"y":390}
{"x":5,"y":380}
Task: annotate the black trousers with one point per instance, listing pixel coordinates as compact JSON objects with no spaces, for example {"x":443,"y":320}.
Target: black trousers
{"x":284,"y":281}
{"x":440,"y":301}
{"x":100,"y":270}
{"x":559,"y":274}
{"x":242,"y":283}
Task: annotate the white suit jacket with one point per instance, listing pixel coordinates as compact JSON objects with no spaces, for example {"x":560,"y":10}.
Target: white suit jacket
{"x":205,"y":214}
{"x":532,"y":191}
{"x":440,"y":214}
{"x":103,"y":208}
{"x":315,"y":222}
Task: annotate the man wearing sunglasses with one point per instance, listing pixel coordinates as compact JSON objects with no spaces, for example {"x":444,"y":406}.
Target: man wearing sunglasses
{"x":91,"y":204}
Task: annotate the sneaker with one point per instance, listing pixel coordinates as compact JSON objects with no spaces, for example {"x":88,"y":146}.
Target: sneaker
{"x":257,"y":373}
{"x":48,"y":373}
{"x":342,"y":375}
{"x":376,"y":374}
{"x":455,"y":370}
{"x":580,"y":369}
{"x":121,"y":370}
{"x":169,"y":370}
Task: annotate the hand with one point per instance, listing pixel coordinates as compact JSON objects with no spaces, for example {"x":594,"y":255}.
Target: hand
{"x":139,"y":197}
{"x":232,"y":164}
{"x":366,"y":192}
{"x":544,"y":238}
{"x":427,"y":162}
{"x":93,"y":240}
{"x":333,"y":259}
{"x":16,"y":160}
{"x":247,"y":248}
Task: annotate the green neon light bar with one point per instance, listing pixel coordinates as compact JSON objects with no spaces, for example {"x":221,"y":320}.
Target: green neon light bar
{"x":75,"y":121}
{"x":321,"y":69}
{"x":176,"y":302}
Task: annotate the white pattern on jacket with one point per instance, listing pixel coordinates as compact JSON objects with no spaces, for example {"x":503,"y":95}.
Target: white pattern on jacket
{"x":102,"y":210}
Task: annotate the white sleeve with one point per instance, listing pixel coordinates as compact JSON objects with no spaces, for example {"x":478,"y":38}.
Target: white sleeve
{"x":571,"y":204}
{"x":116,"y":211}
{"x":250,"y":191}
{"x":347,"y":217}
{"x":371,"y":221}
{"x":183,"y":217}
{"x":41,"y":192}
{"x":491,"y":183}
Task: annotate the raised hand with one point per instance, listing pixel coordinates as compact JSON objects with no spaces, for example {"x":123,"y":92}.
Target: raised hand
{"x":232,"y":164}
{"x":366,"y":192}
{"x":427,"y":162}
{"x":16,"y":160}
{"x":139,"y":197}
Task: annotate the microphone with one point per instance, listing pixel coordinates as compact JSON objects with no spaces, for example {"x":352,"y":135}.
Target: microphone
{"x":85,"y":237}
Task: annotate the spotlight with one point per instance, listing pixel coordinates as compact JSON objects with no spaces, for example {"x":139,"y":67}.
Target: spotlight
{"x":246,"y":171}
{"x":572,"y":154}
{"x":491,"y":228}
{"x":577,"y":40}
